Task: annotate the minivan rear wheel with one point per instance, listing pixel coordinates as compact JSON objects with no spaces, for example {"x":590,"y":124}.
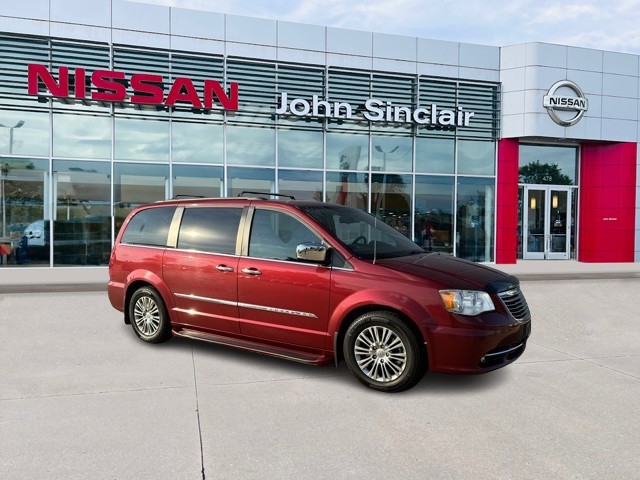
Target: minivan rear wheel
{"x":148,"y":316}
{"x":382,"y":352}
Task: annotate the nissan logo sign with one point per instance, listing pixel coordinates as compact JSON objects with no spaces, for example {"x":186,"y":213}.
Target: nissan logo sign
{"x":558,"y":106}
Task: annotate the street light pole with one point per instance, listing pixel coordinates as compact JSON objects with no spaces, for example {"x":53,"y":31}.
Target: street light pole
{"x":384,"y":169}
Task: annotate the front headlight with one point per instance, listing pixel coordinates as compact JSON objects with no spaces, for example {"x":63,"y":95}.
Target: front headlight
{"x":466,"y":302}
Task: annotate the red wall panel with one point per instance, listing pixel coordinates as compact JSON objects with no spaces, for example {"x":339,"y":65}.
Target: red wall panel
{"x":607,"y":202}
{"x":507,"y":201}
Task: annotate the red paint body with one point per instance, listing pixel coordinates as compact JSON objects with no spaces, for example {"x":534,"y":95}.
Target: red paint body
{"x":331,"y":297}
{"x":607,"y":202}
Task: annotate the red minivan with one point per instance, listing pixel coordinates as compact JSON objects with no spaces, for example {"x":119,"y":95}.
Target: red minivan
{"x":315,"y":283}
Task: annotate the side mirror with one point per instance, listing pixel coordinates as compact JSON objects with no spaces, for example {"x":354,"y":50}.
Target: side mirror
{"x":312,"y":252}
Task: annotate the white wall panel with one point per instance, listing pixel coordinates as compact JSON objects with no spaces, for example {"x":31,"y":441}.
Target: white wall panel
{"x":399,"y":66}
{"x":514,"y":56}
{"x":513,"y":80}
{"x":547,"y":54}
{"x":512,"y":126}
{"x":479,"y":56}
{"x":512,"y":103}
{"x":395,"y":47}
{"x":620,"y":63}
{"x":32,"y":9}
{"x":251,"y":51}
{"x":589,"y":82}
{"x":438,"y":70}
{"x":542,"y":78}
{"x":349,"y":42}
{"x":83,"y":12}
{"x":24,"y":26}
{"x":584,"y":59}
{"x":140,"y":17}
{"x":619,"y":130}
{"x":193,"y":23}
{"x":130,"y":37}
{"x":620,"y":86}
{"x":80,"y":32}
{"x":438,"y":52}
{"x":301,"y":56}
{"x":479,"y":74}
{"x":303,"y":37}
{"x":619,"y":108}
{"x":258,"y":31}
{"x":541,"y":125}
{"x":349,"y":61}
{"x":200,"y":45}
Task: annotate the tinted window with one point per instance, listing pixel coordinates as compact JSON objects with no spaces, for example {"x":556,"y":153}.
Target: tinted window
{"x":276,"y":235}
{"x":210,"y":229}
{"x":149,"y":227}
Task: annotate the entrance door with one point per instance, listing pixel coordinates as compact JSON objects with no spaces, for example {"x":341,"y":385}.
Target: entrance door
{"x":547,"y":223}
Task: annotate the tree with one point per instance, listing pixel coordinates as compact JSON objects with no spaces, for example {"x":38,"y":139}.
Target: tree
{"x":543,"y":173}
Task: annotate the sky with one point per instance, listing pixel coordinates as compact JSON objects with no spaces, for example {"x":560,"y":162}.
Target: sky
{"x":600,"y":24}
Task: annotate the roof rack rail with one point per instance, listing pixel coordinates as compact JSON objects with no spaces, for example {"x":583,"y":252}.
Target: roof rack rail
{"x":267,"y":194}
{"x":176,"y":197}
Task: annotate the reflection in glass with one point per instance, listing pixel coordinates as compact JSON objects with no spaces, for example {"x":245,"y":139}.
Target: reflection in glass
{"x":475,"y":219}
{"x":251,"y":146}
{"x":348,"y":188}
{"x":434,"y":213}
{"x":142,"y":139}
{"x":261,"y":180}
{"x":197,"y":142}
{"x":391,"y":154}
{"x":81,"y":136}
{"x":300,"y":148}
{"x":303,"y":185}
{"x":346,"y":151}
{"x":24,"y":229}
{"x":391,"y":200}
{"x":435,"y":155}
{"x":536,"y":221}
{"x":476,"y":158}
{"x":137,"y":184}
{"x":197,"y":181}
{"x":24,"y":133}
{"x":82,"y":218}
{"x":542,"y":164}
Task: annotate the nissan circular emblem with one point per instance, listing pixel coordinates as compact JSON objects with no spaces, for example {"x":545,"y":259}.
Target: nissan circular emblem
{"x":565,"y":110}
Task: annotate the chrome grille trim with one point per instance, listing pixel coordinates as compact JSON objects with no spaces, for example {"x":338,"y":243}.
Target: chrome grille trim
{"x":515,"y":303}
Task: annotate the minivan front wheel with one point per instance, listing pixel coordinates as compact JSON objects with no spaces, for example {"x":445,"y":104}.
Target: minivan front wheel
{"x":382,"y":352}
{"x":148,"y":316}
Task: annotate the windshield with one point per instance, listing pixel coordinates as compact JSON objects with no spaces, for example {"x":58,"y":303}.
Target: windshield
{"x":364,"y":235}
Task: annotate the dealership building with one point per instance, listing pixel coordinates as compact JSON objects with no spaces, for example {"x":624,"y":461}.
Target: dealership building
{"x":500,"y":153}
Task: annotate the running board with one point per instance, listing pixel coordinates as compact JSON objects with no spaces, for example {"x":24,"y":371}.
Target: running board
{"x":254,"y":347}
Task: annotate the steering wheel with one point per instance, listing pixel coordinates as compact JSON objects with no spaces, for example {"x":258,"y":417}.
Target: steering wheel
{"x":362,"y":239}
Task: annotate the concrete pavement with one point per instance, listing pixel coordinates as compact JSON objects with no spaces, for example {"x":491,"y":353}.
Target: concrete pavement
{"x":81,"y":397}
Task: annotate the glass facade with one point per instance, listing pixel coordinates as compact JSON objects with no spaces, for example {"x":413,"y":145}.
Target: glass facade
{"x":73,"y":168}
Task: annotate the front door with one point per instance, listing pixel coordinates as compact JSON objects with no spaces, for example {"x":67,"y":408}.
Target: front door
{"x":281,"y":299}
{"x":547,"y":223}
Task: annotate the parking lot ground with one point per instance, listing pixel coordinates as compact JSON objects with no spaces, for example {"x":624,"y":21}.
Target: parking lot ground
{"x":81,"y":397}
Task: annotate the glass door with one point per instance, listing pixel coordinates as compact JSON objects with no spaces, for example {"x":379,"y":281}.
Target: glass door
{"x":547,"y":223}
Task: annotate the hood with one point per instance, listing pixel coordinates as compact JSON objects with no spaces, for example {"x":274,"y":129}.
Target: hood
{"x":452,"y":272}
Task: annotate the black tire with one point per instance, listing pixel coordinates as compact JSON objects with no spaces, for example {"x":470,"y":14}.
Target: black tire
{"x":148,"y":316}
{"x":383,"y":353}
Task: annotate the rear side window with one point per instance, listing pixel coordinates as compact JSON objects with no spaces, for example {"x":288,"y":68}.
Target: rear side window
{"x":149,"y":227}
{"x":210,"y":229}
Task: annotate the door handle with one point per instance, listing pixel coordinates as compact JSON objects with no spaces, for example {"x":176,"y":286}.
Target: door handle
{"x":251,"y":271}
{"x":224,"y":268}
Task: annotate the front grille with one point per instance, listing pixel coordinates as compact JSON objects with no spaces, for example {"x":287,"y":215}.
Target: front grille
{"x":515,"y":303}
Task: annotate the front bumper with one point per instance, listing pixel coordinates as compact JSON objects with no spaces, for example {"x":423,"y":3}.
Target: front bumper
{"x":476,"y":349}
